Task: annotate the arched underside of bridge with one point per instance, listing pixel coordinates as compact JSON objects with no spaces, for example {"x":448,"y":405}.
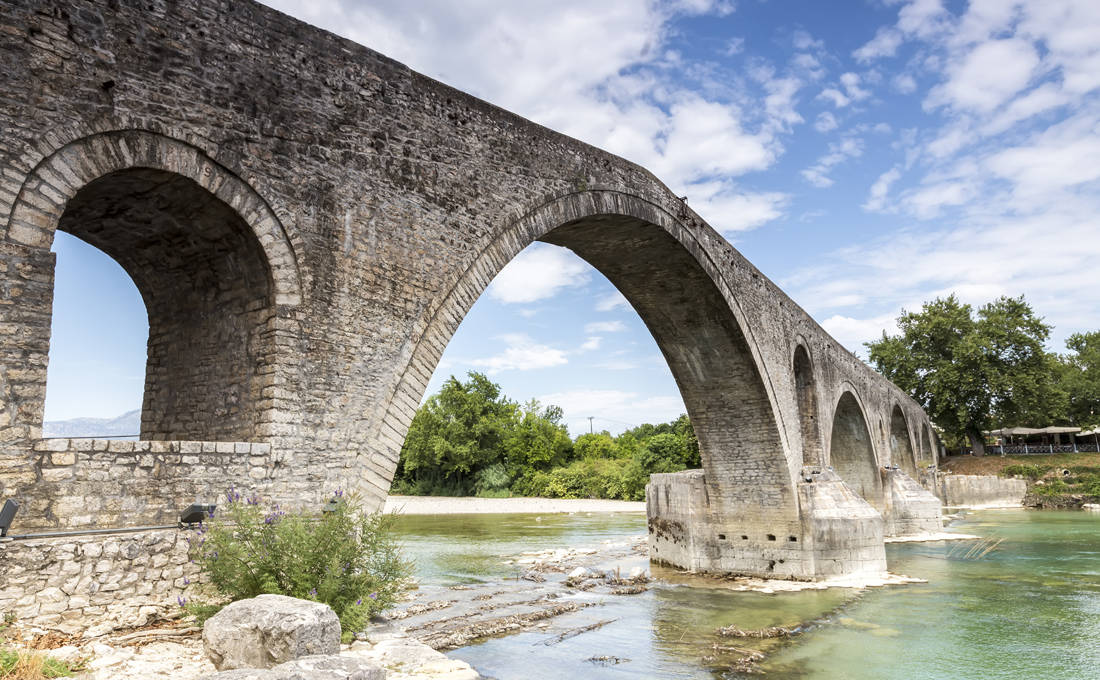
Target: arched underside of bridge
{"x":852,"y":454}
{"x":669,"y":281}
{"x":806,"y":392}
{"x":207,"y":290}
{"x":901,"y":448}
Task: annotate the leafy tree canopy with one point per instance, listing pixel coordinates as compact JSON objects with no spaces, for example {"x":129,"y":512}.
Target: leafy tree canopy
{"x":470,"y":439}
{"x":972,"y":372}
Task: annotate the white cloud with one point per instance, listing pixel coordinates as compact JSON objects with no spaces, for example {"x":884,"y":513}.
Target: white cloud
{"x":612,"y":301}
{"x":537,"y":273}
{"x":591,"y":344}
{"x":730,"y":210}
{"x":904,"y":83}
{"x":851,"y":82}
{"x":825,"y":122}
{"x":521,"y":354}
{"x":802,"y":40}
{"x":605,"y":327}
{"x":734,"y":46}
{"x":876,"y":199}
{"x":818,"y":174}
{"x":852,"y":333}
{"x":923,"y":18}
{"x":835,"y":96}
{"x":989,"y":75}
{"x":885,"y":44}
{"x":614,"y":410}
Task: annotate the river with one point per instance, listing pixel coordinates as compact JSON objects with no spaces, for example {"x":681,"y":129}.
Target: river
{"x":1030,"y":608}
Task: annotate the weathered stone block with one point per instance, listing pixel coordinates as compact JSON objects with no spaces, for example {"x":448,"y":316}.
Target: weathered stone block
{"x":268,"y":630}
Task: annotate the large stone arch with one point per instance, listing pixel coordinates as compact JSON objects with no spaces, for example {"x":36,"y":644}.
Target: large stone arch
{"x":215,"y":268}
{"x":851,"y":450}
{"x":813,"y":452}
{"x":693,"y":314}
{"x":901,"y":447}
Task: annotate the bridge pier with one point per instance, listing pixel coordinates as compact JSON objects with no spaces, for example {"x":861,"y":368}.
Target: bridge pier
{"x":841,"y":534}
{"x":911,"y":509}
{"x":838,"y":534}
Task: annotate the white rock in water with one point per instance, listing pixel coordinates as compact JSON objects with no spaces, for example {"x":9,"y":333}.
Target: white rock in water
{"x":580,"y":572}
{"x":637,"y":572}
{"x":269,"y":630}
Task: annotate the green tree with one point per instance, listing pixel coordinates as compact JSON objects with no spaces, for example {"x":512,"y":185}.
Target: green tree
{"x":972,"y":372}
{"x":538,"y":440}
{"x":456,"y":433}
{"x":1080,"y":378}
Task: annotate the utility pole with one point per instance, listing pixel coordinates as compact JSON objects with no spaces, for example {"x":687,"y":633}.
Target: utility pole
{"x":590,"y":424}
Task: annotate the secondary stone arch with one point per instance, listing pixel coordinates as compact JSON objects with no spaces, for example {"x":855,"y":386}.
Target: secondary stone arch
{"x":58,"y":176}
{"x":901,"y":446}
{"x":813,"y":448}
{"x":670,"y":280}
{"x":216,"y":271}
{"x":851,"y":449}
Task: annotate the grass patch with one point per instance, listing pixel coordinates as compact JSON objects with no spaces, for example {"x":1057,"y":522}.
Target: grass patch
{"x":995,"y":465}
{"x":24,"y":664}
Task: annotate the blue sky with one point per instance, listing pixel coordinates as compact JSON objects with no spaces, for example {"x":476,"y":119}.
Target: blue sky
{"x":867,"y":156}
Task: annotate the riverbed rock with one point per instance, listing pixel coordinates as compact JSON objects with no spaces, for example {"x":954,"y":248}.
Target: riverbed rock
{"x":318,"y":667}
{"x":581,"y":572}
{"x":406,"y":658}
{"x":269,"y":630}
{"x":637,"y":572}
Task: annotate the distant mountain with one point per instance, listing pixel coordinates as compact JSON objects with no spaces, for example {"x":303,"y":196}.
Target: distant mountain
{"x":128,"y":423}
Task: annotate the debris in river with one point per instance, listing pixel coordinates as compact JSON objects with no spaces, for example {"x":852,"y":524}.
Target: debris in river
{"x":607,"y":660}
{"x":461,"y":635}
{"x":574,"y":632}
{"x":414,"y":609}
{"x":761,"y":633}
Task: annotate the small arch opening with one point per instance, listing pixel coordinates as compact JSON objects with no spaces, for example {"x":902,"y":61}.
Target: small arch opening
{"x":851,"y":452}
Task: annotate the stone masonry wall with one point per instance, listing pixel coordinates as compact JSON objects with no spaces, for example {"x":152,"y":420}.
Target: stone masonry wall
{"x":99,"y":582}
{"x":976,"y":491}
{"x":111,"y":483}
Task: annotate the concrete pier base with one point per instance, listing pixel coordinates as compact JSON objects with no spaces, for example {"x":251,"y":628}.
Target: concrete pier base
{"x":838,"y":533}
{"x":911,"y":509}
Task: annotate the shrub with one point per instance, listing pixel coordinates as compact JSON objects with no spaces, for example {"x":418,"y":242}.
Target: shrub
{"x":1055,"y":487}
{"x":1032,"y":472}
{"x":346,"y":559}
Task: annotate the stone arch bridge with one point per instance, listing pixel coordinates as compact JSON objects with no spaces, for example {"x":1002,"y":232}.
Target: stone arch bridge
{"x":308,"y":222}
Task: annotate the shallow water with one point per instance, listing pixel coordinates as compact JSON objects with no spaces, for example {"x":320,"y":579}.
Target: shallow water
{"x":1028,"y":609}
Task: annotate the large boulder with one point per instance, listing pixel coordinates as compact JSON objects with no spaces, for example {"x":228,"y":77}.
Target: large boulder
{"x":269,"y":630}
{"x":309,"y":668}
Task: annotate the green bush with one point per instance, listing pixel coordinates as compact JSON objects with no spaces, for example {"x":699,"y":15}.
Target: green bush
{"x":1055,"y":487}
{"x":1032,"y":472}
{"x":346,"y":558}
{"x":614,"y":478}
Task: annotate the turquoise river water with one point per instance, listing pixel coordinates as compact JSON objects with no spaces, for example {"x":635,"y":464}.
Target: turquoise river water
{"x":1030,"y":608}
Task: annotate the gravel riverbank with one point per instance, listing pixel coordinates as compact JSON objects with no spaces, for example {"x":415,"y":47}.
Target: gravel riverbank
{"x":447,"y":505}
